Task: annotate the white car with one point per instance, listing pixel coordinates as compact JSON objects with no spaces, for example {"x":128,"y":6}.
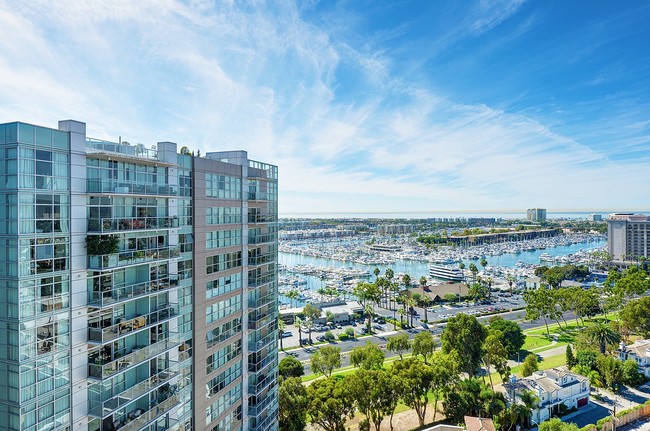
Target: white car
{"x":430,"y":309}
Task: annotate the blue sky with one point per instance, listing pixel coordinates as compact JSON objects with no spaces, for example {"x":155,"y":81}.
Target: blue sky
{"x":366,"y":106}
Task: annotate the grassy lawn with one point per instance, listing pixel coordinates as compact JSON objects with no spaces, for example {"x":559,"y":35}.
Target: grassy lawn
{"x":535,"y":342}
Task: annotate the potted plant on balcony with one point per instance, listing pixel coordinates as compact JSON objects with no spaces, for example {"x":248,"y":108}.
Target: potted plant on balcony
{"x":102,"y":245}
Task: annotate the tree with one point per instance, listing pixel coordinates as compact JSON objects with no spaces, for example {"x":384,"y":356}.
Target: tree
{"x":375,"y":393}
{"x":570,"y":359}
{"x":330,"y":403}
{"x":511,"y":280}
{"x":185,"y":151}
{"x":292,"y":400}
{"x":530,"y":365}
{"x":423,"y":282}
{"x":603,"y":335}
{"x":406,"y":279}
{"x":376,"y":271}
{"x":539,"y":304}
{"x":297,"y":322}
{"x":368,"y":294}
{"x":389,"y":274}
{"x":631,"y":374}
{"x":474,"y":270}
{"x":556,"y":424}
{"x":611,"y":369}
{"x":513,"y":337}
{"x":416,"y":380}
{"x":635,"y":316}
{"x":424,"y":345}
{"x":293,"y":294}
{"x":464,"y":334}
{"x":495,"y":353}
{"x":444,"y":374}
{"x":633,"y":281}
{"x":369,"y":357}
{"x":325,"y":360}
{"x":399,"y":344}
{"x":289,"y":367}
{"x":472,"y":397}
{"x":311,"y":313}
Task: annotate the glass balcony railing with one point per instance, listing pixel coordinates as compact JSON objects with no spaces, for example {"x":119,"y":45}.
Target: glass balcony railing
{"x":262,"y":170}
{"x":134,"y":392}
{"x":260,"y":407}
{"x":137,"y":355}
{"x":128,"y":188}
{"x":116,"y":330}
{"x":259,"y":218}
{"x":138,"y":150}
{"x":261,"y":280}
{"x":124,"y":293}
{"x":262,"y":259}
{"x":257,"y":386}
{"x":262,"y":196}
{"x":262,"y":239}
{"x":254,"y":346}
{"x":126,"y":258}
{"x":154,"y":412}
{"x":115,"y":224}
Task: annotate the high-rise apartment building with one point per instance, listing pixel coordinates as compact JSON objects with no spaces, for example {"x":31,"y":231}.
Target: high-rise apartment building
{"x":536,"y":214}
{"x":628,"y":236}
{"x":138,"y":287}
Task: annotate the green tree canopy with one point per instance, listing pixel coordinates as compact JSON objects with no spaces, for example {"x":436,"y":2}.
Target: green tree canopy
{"x":289,"y":366}
{"x":399,"y":344}
{"x":513,"y":337}
{"x":416,"y":378}
{"x":375,"y":393}
{"x":424,"y":345}
{"x":369,"y":357}
{"x":464,"y":334}
{"x":325,"y":360}
{"x":556,"y":424}
{"x":529,"y":365}
{"x":330,"y":403}
{"x":635,"y":316}
{"x":292,"y":400}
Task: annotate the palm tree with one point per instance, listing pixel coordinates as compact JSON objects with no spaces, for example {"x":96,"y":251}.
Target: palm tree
{"x":376,"y":271}
{"x":292,"y":294}
{"x":369,"y":312}
{"x":406,"y":279}
{"x":402,"y":313}
{"x":423,"y":282}
{"x":483,"y":262}
{"x":603,"y":335}
{"x":474,"y":270}
{"x":462,"y":268}
{"x":297,"y":322}
{"x":389,"y":274}
{"x":511,"y":279}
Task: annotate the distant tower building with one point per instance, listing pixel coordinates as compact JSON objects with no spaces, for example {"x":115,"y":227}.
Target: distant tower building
{"x":628,"y":235}
{"x":595,"y":217}
{"x":536,"y":214}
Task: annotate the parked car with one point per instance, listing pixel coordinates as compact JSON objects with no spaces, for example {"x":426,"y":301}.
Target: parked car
{"x":286,"y":334}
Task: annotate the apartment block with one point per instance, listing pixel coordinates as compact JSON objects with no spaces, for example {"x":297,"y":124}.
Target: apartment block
{"x":536,"y":214}
{"x":138,"y":286}
{"x":628,"y":236}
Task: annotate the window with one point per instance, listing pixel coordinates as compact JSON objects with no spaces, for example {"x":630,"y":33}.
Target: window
{"x":222,"y":262}
{"x":222,"y":186}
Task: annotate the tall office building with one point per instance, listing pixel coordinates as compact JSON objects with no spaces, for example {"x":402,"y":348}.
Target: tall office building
{"x":628,"y":236}
{"x":536,"y":214}
{"x":138,"y":287}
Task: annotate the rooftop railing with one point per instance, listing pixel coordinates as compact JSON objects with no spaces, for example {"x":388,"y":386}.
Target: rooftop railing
{"x":137,"y":150}
{"x":262,"y":170}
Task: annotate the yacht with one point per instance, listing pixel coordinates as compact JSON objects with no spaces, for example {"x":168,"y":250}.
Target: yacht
{"x":446,"y":272}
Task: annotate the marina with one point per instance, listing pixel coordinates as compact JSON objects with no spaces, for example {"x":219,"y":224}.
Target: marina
{"x":323,"y":270}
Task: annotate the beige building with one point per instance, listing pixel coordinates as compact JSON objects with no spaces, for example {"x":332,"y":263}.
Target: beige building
{"x":628,"y":236}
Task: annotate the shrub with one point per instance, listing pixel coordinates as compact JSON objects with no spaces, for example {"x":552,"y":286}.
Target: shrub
{"x":343,"y":336}
{"x":350,"y":332}
{"x":328,"y":336}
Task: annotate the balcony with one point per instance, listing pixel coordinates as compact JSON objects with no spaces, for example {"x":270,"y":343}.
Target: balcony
{"x":263,"y":342}
{"x":259,"y":218}
{"x":262,"y":170}
{"x":138,"y":151}
{"x":262,"y":259}
{"x":259,"y":408}
{"x":117,"y":224}
{"x":126,"y":258}
{"x":106,"y":186}
{"x":118,"y":329}
{"x":124,"y":293}
{"x":262,"y":239}
{"x":259,"y":366}
{"x":154,"y":412}
{"x":262,"y":301}
{"x":261,"y":321}
{"x":256,"y":386}
{"x":261,"y":280}
{"x":101,"y":370}
{"x":134,"y":392}
{"x":262,"y":196}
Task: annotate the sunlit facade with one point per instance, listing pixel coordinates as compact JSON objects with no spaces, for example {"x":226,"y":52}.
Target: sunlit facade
{"x":138,"y":286}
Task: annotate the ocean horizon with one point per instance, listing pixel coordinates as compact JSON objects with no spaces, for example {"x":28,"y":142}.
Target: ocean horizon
{"x":411,"y":215}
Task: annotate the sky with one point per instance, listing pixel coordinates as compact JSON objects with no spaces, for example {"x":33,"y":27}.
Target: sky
{"x":365,"y":106}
